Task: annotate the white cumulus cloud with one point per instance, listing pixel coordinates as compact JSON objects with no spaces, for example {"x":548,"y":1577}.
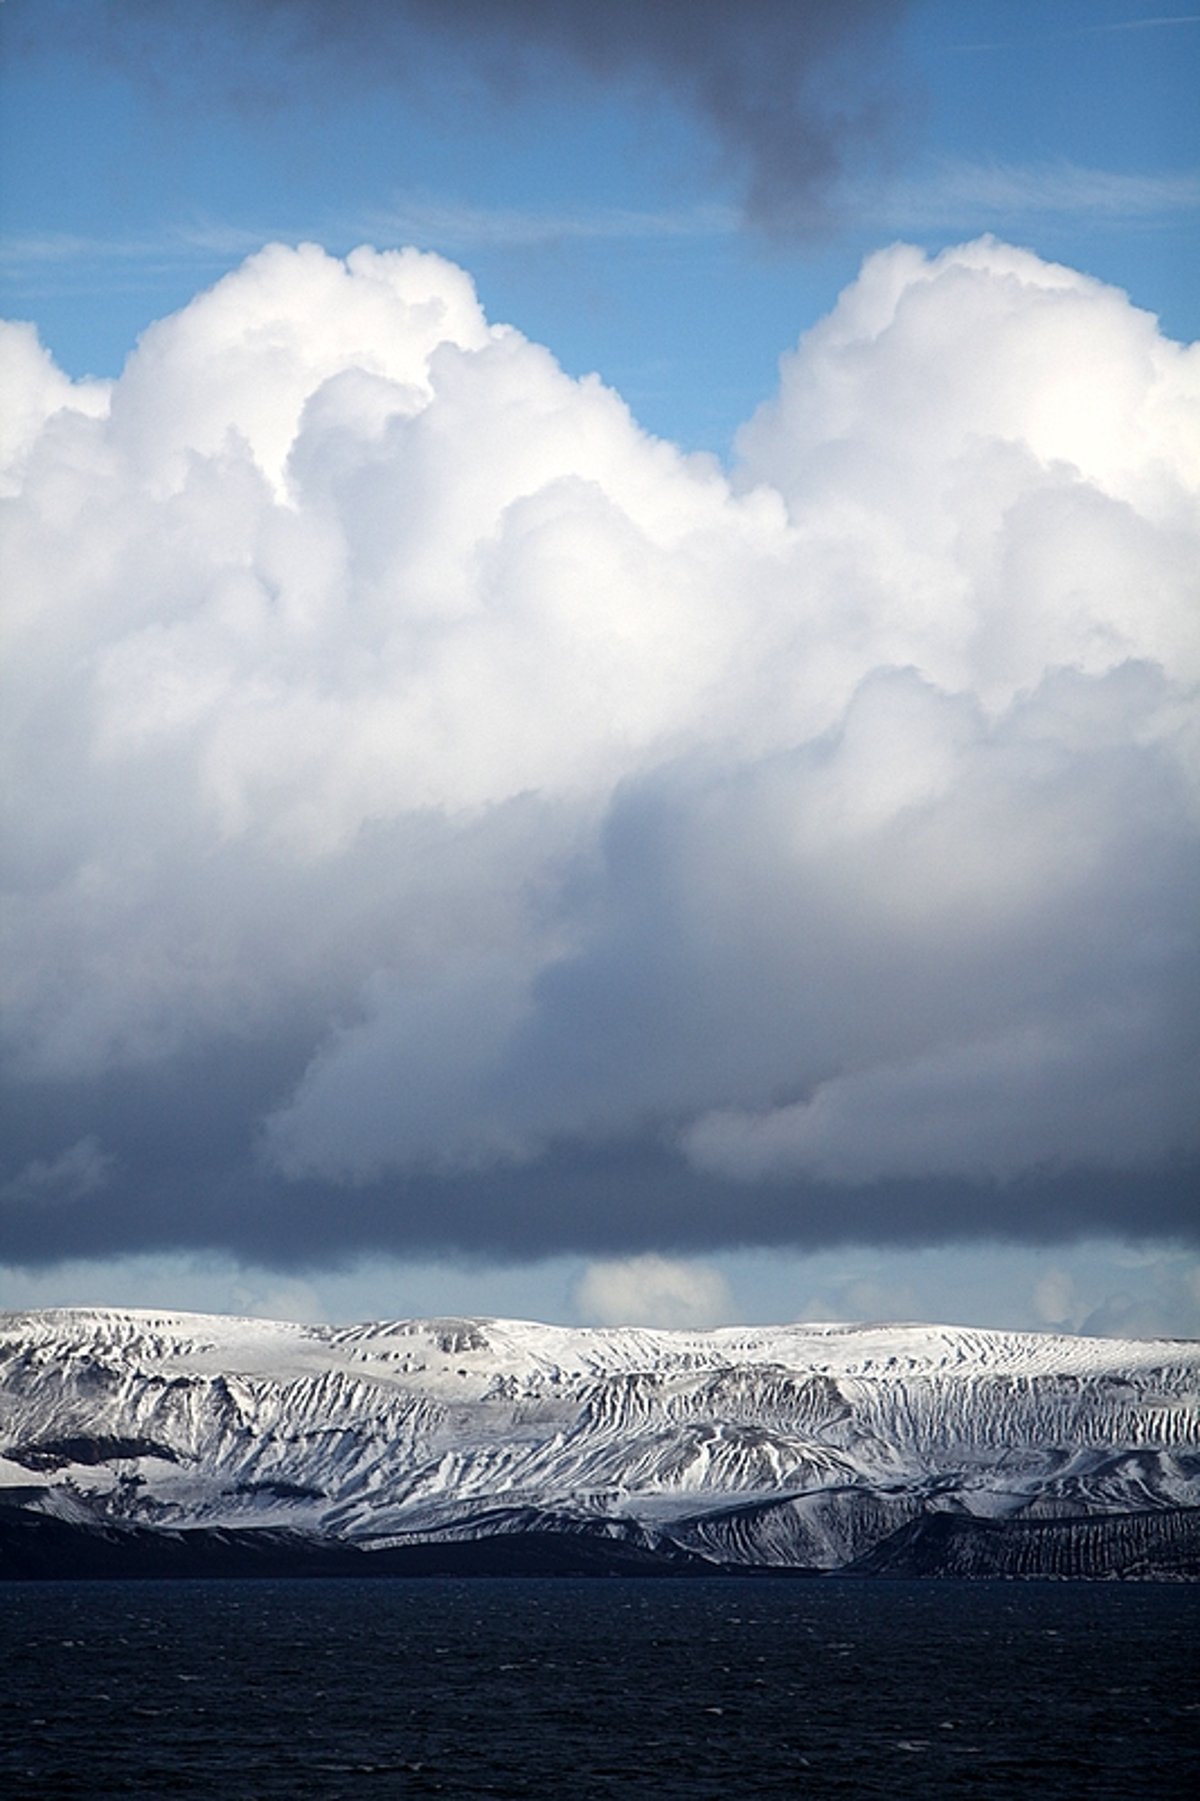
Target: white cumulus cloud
{"x":653,"y":1291}
{"x":386,"y":706}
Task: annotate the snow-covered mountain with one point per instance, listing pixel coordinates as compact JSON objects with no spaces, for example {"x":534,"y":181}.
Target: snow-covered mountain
{"x":815,"y":1447}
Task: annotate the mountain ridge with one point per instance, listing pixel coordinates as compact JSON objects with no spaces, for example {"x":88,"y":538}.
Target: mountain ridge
{"x":781,"y":1448}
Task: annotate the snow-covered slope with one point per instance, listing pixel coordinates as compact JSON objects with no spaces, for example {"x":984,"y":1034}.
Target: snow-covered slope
{"x":786,"y":1446}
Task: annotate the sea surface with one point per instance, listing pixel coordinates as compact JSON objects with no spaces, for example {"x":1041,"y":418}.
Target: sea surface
{"x":722,"y":1688}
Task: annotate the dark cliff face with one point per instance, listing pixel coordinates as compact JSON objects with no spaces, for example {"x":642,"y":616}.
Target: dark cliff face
{"x":35,"y":1547}
{"x":83,"y":1448}
{"x":1161,"y":1546}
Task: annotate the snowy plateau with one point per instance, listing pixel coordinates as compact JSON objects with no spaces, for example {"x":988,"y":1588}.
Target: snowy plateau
{"x":144,"y":1443}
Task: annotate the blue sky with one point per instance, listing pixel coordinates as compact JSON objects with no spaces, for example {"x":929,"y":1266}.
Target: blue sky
{"x":661,"y":241}
{"x":599,"y":225}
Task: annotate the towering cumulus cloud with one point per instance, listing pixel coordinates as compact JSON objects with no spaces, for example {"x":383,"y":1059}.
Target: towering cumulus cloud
{"x":445,"y":815}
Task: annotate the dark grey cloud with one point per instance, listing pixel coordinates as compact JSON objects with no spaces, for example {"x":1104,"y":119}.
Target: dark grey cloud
{"x":790,"y":93}
{"x":183,"y":1175}
{"x":442,"y":817}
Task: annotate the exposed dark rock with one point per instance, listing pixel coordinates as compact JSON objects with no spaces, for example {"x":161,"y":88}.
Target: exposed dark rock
{"x":1162,"y":1545}
{"x":57,"y":1453}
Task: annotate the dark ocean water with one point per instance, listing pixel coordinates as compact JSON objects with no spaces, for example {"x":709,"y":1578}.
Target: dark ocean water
{"x":602,"y":1688}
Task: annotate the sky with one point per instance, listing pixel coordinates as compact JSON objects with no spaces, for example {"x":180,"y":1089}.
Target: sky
{"x":601,"y":660}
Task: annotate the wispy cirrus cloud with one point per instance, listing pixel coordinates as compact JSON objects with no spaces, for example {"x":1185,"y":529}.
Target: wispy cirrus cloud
{"x":956,"y":194}
{"x":35,"y":264}
{"x":950,"y":195}
{"x":31,"y":261}
{"x":1074,"y":33}
{"x":1152,"y":24}
{"x":453,"y":225}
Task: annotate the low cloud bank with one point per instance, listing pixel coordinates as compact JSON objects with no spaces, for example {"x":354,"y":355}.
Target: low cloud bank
{"x":442,"y":814}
